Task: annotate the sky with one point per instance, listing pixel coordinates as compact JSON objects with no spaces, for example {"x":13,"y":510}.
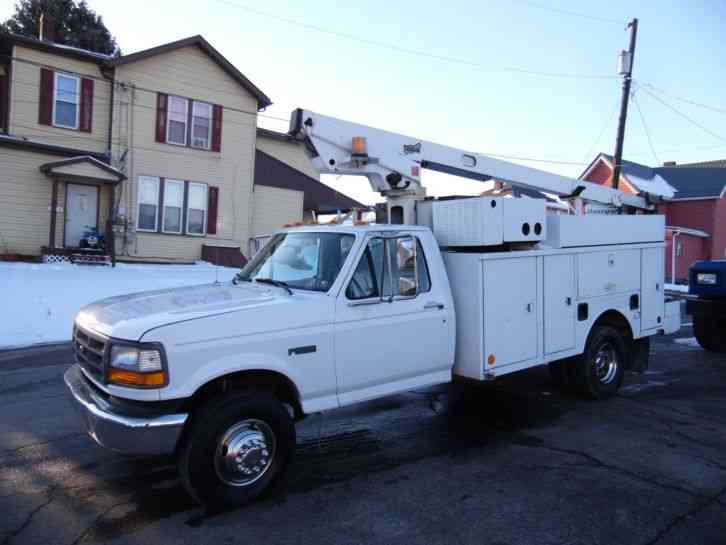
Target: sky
{"x":458,"y":73}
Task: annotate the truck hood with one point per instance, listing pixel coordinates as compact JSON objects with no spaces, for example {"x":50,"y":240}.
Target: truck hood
{"x":130,"y":316}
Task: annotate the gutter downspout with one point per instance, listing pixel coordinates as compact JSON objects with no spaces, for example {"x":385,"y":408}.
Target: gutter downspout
{"x":673,"y":256}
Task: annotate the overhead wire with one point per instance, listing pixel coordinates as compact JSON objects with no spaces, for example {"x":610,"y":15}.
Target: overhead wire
{"x":414,"y":52}
{"x":561,"y":11}
{"x":680,"y":98}
{"x":684,"y":116}
{"x":645,"y":127}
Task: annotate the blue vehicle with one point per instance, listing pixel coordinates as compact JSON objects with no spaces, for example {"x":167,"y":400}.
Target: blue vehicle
{"x":707,"y":305}
{"x":92,"y":239}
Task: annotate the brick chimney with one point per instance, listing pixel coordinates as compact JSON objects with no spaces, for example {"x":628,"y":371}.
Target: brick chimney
{"x":46,"y":28}
{"x":669,"y":164}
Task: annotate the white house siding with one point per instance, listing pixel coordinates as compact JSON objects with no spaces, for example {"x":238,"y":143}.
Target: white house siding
{"x":190,"y":73}
{"x":274,"y":207}
{"x":290,"y":153}
{"x":25,"y":99}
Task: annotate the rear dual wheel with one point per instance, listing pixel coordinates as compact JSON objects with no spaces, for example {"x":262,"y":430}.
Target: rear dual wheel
{"x":599,"y":371}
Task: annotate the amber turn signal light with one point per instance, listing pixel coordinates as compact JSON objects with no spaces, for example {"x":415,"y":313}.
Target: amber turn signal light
{"x":131,"y":378}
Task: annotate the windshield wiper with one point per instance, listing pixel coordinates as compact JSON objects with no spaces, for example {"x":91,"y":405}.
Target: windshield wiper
{"x":239,"y":278}
{"x":278,"y":283}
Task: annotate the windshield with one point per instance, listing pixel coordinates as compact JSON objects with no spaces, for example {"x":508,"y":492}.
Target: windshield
{"x":307,"y":261}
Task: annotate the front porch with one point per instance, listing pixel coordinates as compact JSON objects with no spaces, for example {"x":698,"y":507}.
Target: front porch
{"x":81,"y":210}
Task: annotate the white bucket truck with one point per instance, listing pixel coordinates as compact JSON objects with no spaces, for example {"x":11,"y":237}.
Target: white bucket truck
{"x":326,"y":316}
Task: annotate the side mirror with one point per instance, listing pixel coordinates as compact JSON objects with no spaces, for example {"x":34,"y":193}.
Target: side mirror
{"x":405,"y":248}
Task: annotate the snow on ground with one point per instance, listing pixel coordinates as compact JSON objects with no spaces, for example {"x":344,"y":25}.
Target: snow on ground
{"x":677,"y":287}
{"x":39,"y":301}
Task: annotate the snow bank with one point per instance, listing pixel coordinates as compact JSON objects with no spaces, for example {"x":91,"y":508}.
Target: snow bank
{"x":39,"y":301}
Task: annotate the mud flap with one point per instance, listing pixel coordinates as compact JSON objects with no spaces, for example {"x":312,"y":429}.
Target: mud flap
{"x":639,"y":355}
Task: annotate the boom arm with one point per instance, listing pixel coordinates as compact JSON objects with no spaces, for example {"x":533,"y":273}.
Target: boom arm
{"x":392,"y":162}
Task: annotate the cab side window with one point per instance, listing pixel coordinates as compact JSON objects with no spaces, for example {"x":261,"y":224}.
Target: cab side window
{"x":368,"y":280}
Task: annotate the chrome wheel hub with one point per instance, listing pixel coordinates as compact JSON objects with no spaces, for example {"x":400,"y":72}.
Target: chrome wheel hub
{"x":606,"y":363}
{"x":244,"y":452}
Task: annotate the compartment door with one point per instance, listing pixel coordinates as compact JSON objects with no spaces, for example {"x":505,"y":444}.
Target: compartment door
{"x":653,"y":301}
{"x":559,"y":301}
{"x":510,"y":310}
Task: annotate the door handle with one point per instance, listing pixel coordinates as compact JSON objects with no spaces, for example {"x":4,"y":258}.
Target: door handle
{"x":568,"y":301}
{"x":433,"y":305}
{"x":529,"y":307}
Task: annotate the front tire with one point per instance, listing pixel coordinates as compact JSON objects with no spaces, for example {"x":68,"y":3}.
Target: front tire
{"x":601,"y":369}
{"x":710,"y":333}
{"x":237,"y":446}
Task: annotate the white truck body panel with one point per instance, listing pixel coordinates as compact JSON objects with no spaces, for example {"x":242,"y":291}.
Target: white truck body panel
{"x":520,"y":309}
{"x":487,"y":221}
{"x":603,"y":229}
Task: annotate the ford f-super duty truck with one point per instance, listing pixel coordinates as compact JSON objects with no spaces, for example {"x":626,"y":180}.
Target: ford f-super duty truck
{"x":327,"y":316}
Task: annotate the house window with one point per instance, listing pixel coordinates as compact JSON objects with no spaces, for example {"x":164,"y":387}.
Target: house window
{"x":173,"y":206}
{"x":65,"y":101}
{"x":196,"y":208}
{"x":148,"y":203}
{"x":176,"y":128}
{"x":201,"y":125}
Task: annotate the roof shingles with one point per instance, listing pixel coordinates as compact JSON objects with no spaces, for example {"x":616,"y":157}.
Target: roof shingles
{"x":697,"y":181}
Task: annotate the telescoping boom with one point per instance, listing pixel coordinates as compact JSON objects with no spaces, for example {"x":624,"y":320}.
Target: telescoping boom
{"x":393,"y":163}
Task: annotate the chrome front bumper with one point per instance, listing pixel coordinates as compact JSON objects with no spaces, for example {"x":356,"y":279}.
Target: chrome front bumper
{"x":129,"y":435}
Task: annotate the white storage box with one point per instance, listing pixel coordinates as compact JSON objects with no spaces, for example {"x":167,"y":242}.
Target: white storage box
{"x":600,"y":230}
{"x":489,"y":221}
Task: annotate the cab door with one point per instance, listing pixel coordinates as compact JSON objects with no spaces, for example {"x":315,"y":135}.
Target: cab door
{"x":390,"y":337}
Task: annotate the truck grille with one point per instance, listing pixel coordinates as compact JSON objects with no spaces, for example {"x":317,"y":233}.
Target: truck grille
{"x":89,"y":349}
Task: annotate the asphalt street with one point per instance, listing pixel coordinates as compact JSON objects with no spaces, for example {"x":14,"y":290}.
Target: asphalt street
{"x":510,"y":463}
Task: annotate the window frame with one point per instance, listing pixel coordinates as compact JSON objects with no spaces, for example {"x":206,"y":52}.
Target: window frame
{"x":139,"y":203}
{"x":172,"y":181}
{"x":187,"y":208}
{"x":386,"y":269}
{"x":77,"y":103}
{"x":210,"y":129}
{"x":186,"y":120}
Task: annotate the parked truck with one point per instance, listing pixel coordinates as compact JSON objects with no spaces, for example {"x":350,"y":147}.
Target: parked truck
{"x":707,"y":303}
{"x":326,"y":316}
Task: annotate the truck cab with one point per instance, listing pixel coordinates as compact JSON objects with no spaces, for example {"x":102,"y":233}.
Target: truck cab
{"x":320,"y":317}
{"x":707,"y":303}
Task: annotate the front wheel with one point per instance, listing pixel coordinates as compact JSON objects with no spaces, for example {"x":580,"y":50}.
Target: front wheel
{"x":710,"y":333}
{"x":237,"y":446}
{"x":601,"y":369}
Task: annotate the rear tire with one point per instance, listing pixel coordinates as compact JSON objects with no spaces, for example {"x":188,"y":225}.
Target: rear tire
{"x":710,"y":333}
{"x":238,"y":445}
{"x":601,"y":368}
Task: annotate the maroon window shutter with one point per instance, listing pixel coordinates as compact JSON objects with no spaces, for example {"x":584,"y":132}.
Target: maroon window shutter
{"x":212,"y":203}
{"x":216,"y":128}
{"x":161,"y":102}
{"x":4,"y":95}
{"x":86,"y":105}
{"x":45,"y":110}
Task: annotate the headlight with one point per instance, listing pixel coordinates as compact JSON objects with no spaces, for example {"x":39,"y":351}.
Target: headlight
{"x":706,"y":279}
{"x":139,"y":366}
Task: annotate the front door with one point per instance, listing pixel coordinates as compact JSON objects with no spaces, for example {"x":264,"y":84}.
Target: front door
{"x":395,"y":344}
{"x":81,"y":212}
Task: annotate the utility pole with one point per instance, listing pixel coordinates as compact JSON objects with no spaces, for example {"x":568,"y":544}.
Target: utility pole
{"x":626,"y":70}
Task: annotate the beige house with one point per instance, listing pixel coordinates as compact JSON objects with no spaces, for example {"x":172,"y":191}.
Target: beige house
{"x":157,"y":150}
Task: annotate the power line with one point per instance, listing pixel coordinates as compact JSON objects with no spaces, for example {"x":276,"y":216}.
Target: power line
{"x":414,"y":52}
{"x":537,"y":5}
{"x":645,"y":126}
{"x":684,"y":116}
{"x":606,"y":124}
{"x":136,"y":87}
{"x":681,"y":99}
